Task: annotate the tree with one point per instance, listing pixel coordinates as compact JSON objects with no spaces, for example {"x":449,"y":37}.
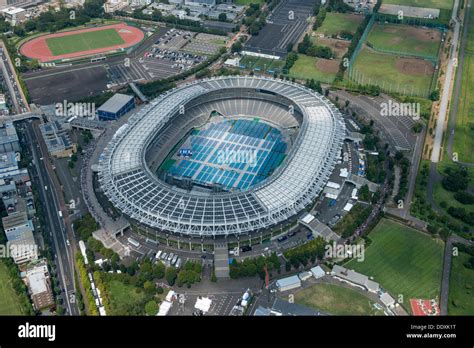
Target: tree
{"x":151,"y":308}
{"x":222,"y":17}
{"x":464,"y":197}
{"x":171,"y":275}
{"x":456,"y":180}
{"x":236,"y":47}
{"x":149,"y":287}
{"x":159,"y":270}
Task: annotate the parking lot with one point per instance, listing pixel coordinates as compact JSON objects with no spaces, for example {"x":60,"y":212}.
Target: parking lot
{"x":163,"y":59}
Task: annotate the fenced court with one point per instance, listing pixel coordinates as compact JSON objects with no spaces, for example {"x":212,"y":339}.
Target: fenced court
{"x":401,"y":75}
{"x":405,"y":40}
{"x":397,"y":58}
{"x":262,"y":64}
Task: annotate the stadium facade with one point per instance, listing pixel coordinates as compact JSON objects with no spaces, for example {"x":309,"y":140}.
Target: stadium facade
{"x":128,"y":163}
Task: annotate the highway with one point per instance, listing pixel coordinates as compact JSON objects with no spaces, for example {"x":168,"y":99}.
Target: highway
{"x":445,"y":97}
{"x":55,"y":224}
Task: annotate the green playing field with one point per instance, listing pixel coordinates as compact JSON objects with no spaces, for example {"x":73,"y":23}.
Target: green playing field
{"x":84,"y":41}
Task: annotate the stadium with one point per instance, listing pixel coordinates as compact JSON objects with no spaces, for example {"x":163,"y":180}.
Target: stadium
{"x":225,"y":156}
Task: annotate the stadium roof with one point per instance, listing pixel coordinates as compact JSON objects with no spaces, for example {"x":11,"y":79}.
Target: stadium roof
{"x":115,"y":103}
{"x":134,"y":188}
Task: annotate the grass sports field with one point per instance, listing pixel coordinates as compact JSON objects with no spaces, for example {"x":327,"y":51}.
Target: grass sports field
{"x":84,"y":41}
{"x":405,"y":39}
{"x":336,"y":23}
{"x":307,"y":67}
{"x":9,"y":302}
{"x":337,"y":300}
{"x":258,"y":63}
{"x":464,"y":133}
{"x":401,"y":75}
{"x":441,"y":4}
{"x":461,"y":287}
{"x":403,"y":261}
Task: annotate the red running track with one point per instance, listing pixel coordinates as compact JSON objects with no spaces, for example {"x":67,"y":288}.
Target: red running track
{"x":37,"y":48}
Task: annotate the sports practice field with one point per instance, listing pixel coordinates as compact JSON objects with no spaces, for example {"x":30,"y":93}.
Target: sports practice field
{"x":336,"y":23}
{"x":464,"y":133}
{"x":9,"y":302}
{"x":461,"y":285}
{"x":307,"y":67}
{"x":441,"y":4}
{"x":337,"y":300}
{"x":85,"y":41}
{"x":405,"y":39}
{"x":259,"y":63}
{"x":403,"y":261}
{"x":82,"y":42}
{"x":401,"y":75}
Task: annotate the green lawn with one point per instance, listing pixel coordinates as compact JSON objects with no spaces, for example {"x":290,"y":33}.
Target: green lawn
{"x":464,"y":134}
{"x":337,"y":300}
{"x":405,"y":38}
{"x":400,"y":75}
{"x":442,"y":195}
{"x":84,"y":41}
{"x":305,"y":68}
{"x":461,"y":284}
{"x":403,"y":261}
{"x":9,"y":301}
{"x":441,"y":4}
{"x":336,"y":23}
{"x":123,"y":297}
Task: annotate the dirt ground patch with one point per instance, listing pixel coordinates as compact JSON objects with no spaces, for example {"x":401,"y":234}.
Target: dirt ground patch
{"x":422,"y":34}
{"x":328,"y":65}
{"x":339,"y":47}
{"x":414,"y":66}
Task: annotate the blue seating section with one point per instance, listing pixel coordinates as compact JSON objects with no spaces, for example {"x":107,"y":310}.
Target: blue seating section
{"x":234,"y":153}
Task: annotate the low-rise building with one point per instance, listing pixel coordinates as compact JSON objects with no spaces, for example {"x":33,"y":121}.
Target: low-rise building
{"x":355,"y":278}
{"x":111,"y":6}
{"x":17,"y":224}
{"x":14,"y":15}
{"x":116,"y":107}
{"x":56,"y":137}
{"x":288,"y":283}
{"x":9,"y":138}
{"x":8,"y":165}
{"x":38,"y":282}
{"x":318,"y":272}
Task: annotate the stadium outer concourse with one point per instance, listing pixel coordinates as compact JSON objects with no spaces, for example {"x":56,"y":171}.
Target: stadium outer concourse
{"x":130,"y":184}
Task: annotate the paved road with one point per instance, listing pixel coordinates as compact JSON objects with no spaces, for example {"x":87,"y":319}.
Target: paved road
{"x":445,"y":98}
{"x":448,"y":257}
{"x":55,"y":224}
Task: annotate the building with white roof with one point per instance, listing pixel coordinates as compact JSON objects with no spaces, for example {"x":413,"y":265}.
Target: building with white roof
{"x":14,"y":15}
{"x":37,"y":280}
{"x":288,"y":283}
{"x":318,"y":272}
{"x":356,"y":278}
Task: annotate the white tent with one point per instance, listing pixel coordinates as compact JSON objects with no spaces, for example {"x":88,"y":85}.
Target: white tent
{"x":203,"y":304}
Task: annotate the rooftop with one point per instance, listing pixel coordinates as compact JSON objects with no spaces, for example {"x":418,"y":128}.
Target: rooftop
{"x":115,"y":103}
